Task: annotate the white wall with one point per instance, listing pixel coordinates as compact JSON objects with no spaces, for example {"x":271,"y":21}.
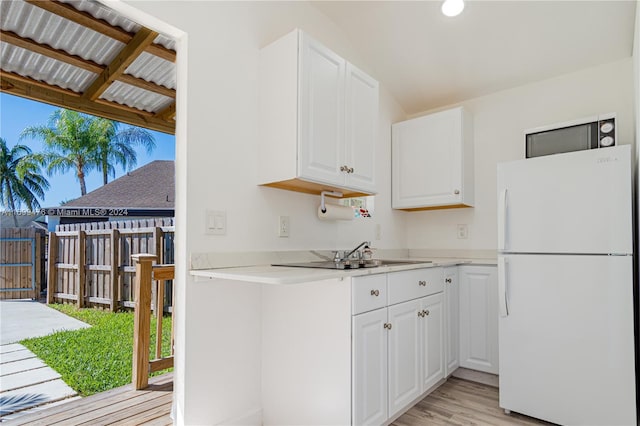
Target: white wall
{"x":216,"y":169}
{"x":499,"y":122}
{"x":224,"y":41}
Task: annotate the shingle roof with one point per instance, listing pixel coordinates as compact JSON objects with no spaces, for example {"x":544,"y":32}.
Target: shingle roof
{"x":149,"y":187}
{"x":24,"y":221}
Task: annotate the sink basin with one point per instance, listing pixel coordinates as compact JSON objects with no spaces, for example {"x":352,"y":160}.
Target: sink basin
{"x":385,"y":262}
{"x":351,"y":264}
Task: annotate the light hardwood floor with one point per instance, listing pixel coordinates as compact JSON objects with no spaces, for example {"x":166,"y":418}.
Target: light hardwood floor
{"x":461,"y":402}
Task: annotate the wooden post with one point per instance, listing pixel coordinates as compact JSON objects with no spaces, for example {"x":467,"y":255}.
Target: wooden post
{"x":115,"y":270}
{"x":159,"y":312}
{"x":157,"y":235}
{"x":37,"y":240}
{"x":52,"y":275}
{"x":142,"y":319}
{"x":82,"y":273}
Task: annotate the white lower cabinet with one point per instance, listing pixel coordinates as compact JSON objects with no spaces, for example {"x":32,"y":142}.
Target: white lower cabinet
{"x":479,"y":318}
{"x":452,"y":320}
{"x":404,"y":355}
{"x":398,"y":351}
{"x":370,"y":368}
{"x":402,"y":343}
{"x":432,"y":341}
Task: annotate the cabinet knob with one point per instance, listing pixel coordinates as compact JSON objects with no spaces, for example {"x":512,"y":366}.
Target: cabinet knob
{"x":447,"y":280}
{"x":426,"y":312}
{"x":375,"y":292}
{"x":344,"y":168}
{"x":387,"y":325}
{"x":456,"y":191}
{"x":421,"y":314}
{"x":350,"y":170}
{"x":422,"y":283}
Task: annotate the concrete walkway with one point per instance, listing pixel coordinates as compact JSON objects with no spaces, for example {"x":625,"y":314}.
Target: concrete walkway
{"x":26,"y":382}
{"x":24,"y":318}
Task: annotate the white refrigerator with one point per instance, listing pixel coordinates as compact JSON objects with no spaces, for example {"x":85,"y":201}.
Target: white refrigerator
{"x":565,"y":268}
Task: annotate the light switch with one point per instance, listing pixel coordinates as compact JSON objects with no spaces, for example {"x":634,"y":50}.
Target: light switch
{"x":216,"y":222}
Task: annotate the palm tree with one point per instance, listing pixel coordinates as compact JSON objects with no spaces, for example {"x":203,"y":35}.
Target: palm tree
{"x":81,"y":142}
{"x":117,"y":147}
{"x":20,"y":178}
{"x":70,"y":143}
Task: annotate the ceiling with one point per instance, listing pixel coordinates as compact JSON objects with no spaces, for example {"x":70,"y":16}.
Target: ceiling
{"x":427,"y":60}
{"x":82,"y":55}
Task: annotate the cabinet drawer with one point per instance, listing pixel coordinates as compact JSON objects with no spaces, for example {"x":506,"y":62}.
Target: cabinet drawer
{"x":407,"y":285}
{"x":368,"y":293}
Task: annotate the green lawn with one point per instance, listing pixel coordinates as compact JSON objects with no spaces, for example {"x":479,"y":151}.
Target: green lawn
{"x":98,"y":358}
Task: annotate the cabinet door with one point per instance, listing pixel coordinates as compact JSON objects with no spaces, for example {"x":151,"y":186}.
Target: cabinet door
{"x":361,"y":120}
{"x":369,"y":368}
{"x":479,"y":318}
{"x":321,"y":103}
{"x":404,"y":355}
{"x":427,"y":160}
{"x":452,"y":320}
{"x":432,"y":340}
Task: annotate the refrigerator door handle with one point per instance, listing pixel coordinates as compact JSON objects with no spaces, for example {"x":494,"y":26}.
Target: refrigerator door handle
{"x":502,"y":287}
{"x":502,"y":219}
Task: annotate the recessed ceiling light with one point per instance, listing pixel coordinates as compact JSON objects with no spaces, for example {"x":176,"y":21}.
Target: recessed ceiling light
{"x":452,"y":7}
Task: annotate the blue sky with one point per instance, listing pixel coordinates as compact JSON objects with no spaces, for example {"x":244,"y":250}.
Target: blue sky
{"x":17,"y":113}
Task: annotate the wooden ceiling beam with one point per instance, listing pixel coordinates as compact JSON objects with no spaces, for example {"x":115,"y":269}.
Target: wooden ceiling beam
{"x":67,"y":11}
{"x":120,"y":63}
{"x":169,"y":113}
{"x":29,"y":88}
{"x":147,"y":85}
{"x":76,"y":61}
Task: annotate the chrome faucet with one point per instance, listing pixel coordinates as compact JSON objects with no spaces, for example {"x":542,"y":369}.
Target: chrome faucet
{"x":337,"y":258}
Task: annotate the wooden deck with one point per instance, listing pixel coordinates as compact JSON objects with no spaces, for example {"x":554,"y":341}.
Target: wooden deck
{"x":120,"y":406}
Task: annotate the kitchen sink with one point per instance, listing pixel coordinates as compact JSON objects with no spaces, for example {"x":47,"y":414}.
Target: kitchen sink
{"x":351,"y":264}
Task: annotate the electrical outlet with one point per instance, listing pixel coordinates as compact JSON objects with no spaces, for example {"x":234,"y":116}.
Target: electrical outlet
{"x":283,"y":227}
{"x":463,"y":231}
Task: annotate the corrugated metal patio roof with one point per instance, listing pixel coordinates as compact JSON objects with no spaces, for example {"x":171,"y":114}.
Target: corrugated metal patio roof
{"x":68,"y":53}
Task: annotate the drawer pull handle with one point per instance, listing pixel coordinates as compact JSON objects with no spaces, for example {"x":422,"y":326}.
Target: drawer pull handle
{"x":422,"y":283}
{"x":375,"y":292}
{"x":448,"y":280}
{"x":387,"y":325}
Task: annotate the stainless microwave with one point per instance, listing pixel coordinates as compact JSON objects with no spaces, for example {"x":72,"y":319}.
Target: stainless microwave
{"x":576,"y":135}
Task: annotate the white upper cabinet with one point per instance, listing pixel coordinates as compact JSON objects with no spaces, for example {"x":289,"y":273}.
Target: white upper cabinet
{"x":361,"y":121}
{"x":321,"y":115}
{"x":432,"y":161}
{"x":318,"y":118}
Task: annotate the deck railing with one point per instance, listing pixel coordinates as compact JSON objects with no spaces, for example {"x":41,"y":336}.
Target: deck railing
{"x":146,"y":274}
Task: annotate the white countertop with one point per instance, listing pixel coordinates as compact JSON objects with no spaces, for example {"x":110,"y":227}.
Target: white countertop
{"x":267,"y":274}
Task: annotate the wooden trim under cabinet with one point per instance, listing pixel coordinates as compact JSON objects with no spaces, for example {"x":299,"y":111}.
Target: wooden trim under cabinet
{"x":300,"y":185}
{"x":454,"y":206}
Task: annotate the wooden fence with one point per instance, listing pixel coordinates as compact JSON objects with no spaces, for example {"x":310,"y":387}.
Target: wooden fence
{"x":90,"y":264}
{"x":22,"y":260}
